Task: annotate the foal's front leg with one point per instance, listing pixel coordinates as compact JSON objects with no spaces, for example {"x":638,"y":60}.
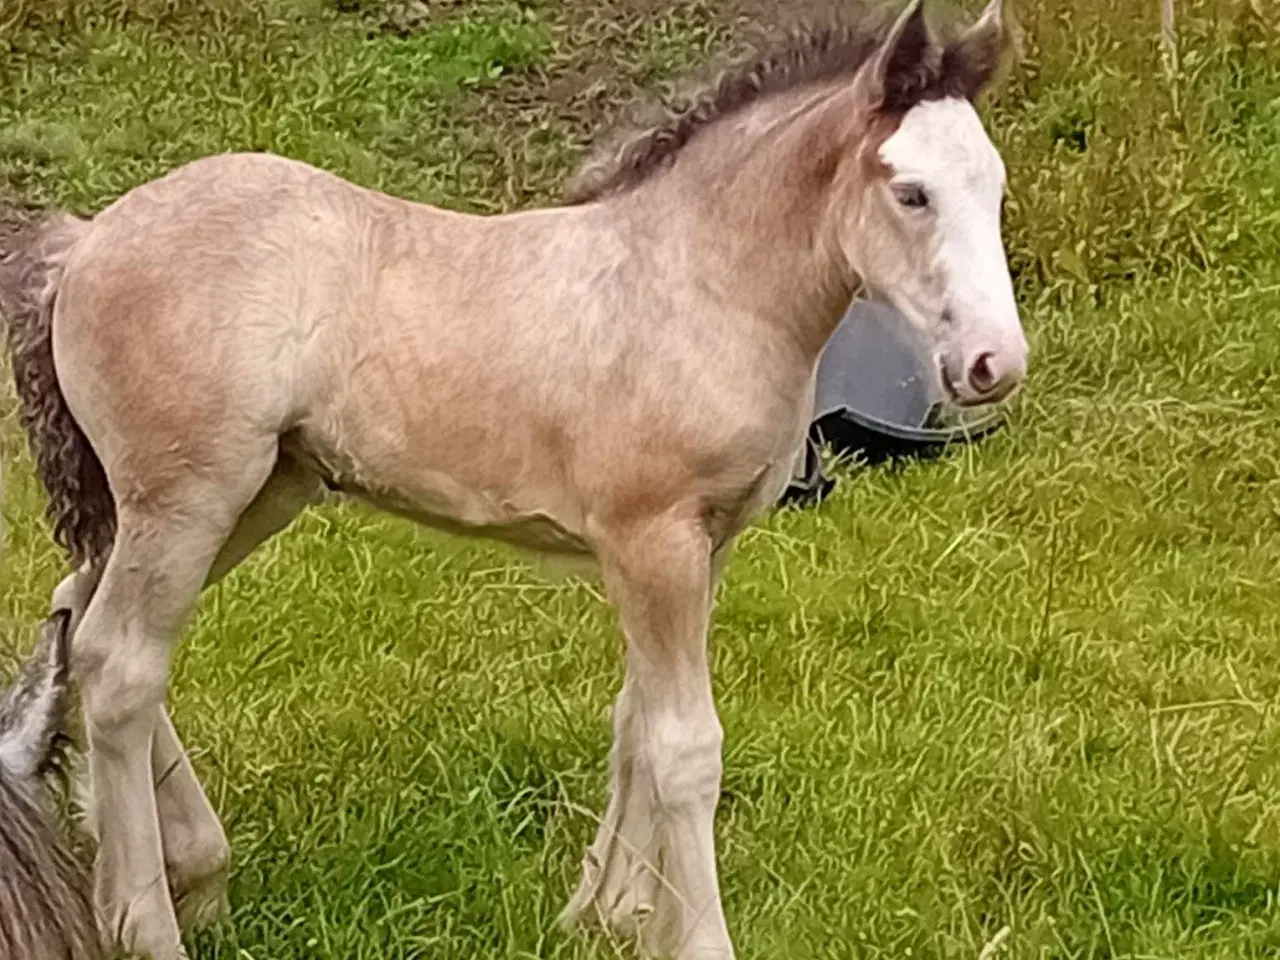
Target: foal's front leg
{"x":652,"y":870}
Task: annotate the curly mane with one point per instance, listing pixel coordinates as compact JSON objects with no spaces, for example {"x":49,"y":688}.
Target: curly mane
{"x":835,"y":47}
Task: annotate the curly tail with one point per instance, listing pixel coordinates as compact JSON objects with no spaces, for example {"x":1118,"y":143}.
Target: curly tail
{"x":34,"y":250}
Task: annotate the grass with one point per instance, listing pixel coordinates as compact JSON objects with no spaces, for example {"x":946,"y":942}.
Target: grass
{"x":1032,"y":684}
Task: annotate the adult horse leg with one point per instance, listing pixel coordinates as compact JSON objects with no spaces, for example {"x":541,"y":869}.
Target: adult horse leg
{"x":164,"y":550}
{"x":652,"y":870}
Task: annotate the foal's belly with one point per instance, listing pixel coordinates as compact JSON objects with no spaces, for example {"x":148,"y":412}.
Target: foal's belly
{"x":529,"y":529}
{"x":469,"y":493}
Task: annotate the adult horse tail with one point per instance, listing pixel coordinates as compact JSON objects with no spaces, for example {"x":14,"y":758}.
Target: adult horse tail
{"x":34,"y":251}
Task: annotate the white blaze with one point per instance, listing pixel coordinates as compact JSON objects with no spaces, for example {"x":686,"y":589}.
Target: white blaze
{"x":966,"y":296}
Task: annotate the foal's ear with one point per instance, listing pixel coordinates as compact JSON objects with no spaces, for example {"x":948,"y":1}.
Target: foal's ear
{"x":982,"y":51}
{"x":906,"y":65}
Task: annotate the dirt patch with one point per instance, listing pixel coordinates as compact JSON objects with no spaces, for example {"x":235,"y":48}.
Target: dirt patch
{"x":607,"y":53}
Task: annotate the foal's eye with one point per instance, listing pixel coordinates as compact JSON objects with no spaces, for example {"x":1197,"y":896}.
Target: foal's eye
{"x":911,"y":195}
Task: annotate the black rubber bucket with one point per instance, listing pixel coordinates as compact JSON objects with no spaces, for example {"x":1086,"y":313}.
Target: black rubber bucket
{"x":878,"y":398}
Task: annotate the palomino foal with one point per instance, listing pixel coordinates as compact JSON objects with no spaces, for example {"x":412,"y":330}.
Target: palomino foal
{"x":627,"y":377}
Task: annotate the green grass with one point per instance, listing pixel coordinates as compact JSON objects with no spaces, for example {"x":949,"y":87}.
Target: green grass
{"x":1034,"y":683}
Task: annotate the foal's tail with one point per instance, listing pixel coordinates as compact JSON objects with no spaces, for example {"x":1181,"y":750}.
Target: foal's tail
{"x":34,"y":251}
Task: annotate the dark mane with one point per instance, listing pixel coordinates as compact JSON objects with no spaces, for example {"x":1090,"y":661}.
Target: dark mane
{"x":833,"y":48}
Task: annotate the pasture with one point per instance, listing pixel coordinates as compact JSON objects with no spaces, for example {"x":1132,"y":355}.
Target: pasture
{"x":1032,"y":685}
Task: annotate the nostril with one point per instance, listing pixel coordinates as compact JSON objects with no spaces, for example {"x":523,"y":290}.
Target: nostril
{"x":982,"y":375}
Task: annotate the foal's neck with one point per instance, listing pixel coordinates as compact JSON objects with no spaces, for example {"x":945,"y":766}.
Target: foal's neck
{"x":750,"y":206}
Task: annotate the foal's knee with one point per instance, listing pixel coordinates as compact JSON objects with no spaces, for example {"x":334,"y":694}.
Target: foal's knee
{"x":685,"y":758}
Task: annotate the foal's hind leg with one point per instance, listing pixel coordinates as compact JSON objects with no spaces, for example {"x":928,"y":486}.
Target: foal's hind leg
{"x":195,"y":847}
{"x":164,"y":549}
{"x":196,"y":852}
{"x":652,"y":869}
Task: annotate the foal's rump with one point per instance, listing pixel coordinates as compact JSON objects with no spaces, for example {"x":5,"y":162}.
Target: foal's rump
{"x":164,"y":326}
{"x":188,"y":308}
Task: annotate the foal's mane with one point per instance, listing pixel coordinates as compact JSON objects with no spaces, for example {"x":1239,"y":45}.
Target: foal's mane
{"x":830,"y":48}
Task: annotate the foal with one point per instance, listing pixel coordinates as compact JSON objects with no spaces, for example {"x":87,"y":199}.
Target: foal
{"x":627,"y":377}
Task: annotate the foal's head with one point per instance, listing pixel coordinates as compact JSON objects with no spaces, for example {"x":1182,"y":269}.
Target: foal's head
{"x":920,"y":223}
{"x":870,"y":127}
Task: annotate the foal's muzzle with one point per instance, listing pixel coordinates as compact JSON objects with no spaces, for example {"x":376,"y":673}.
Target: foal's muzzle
{"x":984,"y":376}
